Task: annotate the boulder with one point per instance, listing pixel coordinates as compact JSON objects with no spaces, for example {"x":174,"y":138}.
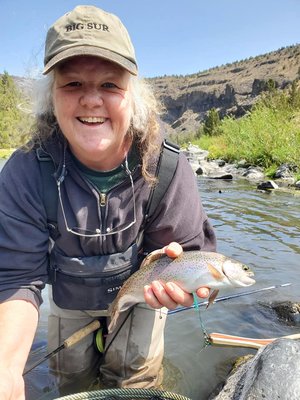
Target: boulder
{"x":287,"y":311}
{"x":273,"y":373}
{"x":268,"y":185}
{"x":253,"y":173}
{"x":285,"y":171}
{"x":222,"y":176}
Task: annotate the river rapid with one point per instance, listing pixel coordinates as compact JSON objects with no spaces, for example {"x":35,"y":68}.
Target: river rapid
{"x":262,"y":229}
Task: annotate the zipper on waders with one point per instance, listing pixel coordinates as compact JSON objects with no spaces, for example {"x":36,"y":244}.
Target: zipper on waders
{"x":102,"y":203}
{"x":102,"y":200}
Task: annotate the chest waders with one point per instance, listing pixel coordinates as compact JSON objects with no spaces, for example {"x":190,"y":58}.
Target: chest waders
{"x":103,"y":275}
{"x":135,"y":357}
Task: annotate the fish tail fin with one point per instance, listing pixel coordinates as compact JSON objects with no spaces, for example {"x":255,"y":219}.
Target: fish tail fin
{"x":121,"y":304}
{"x":113,"y":321}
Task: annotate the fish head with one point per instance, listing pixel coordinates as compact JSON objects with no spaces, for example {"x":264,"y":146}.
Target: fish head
{"x":237,"y":273}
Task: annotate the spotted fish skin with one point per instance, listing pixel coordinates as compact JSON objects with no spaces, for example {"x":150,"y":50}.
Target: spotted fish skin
{"x":190,"y":271}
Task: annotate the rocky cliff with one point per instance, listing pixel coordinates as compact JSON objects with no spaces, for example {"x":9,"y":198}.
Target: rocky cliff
{"x":231,"y":88}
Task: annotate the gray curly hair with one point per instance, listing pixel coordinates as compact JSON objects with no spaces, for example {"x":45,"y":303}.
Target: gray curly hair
{"x":144,"y":129}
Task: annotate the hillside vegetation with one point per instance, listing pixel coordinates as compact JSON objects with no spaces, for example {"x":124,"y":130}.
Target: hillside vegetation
{"x":267,"y":136}
{"x":15,"y":119}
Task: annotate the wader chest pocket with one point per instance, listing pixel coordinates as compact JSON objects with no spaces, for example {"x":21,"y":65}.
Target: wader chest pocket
{"x":90,"y":283}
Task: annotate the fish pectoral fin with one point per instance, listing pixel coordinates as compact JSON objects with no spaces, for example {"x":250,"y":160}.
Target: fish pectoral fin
{"x":153,"y":256}
{"x":212,"y":297}
{"x":215,"y":273}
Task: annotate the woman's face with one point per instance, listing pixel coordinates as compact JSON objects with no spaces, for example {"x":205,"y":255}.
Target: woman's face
{"x":92,"y":105}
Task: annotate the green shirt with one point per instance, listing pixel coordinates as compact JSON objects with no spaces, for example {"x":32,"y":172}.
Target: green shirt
{"x":104,"y":181}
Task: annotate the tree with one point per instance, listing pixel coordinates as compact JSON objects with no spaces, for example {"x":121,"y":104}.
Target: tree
{"x":294,"y":95}
{"x":212,"y":123}
{"x":13,"y":121}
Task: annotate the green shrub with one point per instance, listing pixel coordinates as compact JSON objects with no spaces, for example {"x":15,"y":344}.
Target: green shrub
{"x":267,"y":136}
{"x":14,"y":122}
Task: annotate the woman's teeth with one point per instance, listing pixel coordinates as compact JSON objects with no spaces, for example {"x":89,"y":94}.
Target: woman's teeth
{"x":92,"y":120}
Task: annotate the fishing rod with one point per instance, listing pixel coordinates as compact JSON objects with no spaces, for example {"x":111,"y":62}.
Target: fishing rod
{"x":222,"y":339}
{"x":75,"y":338}
{"x":223,"y":298}
{"x":70,"y":341}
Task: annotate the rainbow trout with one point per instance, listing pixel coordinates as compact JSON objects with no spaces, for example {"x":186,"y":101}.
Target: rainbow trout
{"x":190,"y":271}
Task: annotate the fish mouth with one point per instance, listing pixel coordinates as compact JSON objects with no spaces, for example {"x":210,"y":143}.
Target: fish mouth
{"x":246,"y":281}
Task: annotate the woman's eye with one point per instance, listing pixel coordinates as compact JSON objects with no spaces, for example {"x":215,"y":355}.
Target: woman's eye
{"x":73,"y":84}
{"x":109,"y":85}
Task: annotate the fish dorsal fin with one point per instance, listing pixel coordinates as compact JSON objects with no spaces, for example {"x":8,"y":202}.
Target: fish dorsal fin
{"x":153,"y":256}
{"x":215,"y":273}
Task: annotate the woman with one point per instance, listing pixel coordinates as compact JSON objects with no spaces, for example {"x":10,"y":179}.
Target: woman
{"x":98,"y":123}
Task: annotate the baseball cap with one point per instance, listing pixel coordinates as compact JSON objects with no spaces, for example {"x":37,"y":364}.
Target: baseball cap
{"x":90,"y":31}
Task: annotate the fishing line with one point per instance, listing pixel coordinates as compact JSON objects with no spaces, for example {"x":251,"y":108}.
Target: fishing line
{"x":207,"y":340}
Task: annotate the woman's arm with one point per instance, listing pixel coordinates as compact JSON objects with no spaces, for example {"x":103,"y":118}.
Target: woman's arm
{"x":18,"y":322}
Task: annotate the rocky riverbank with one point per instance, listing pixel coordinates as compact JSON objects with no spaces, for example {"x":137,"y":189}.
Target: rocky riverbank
{"x":219,"y":169}
{"x":274,"y":371}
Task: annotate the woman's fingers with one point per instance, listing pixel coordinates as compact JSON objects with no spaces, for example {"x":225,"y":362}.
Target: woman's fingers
{"x":173,"y":250}
{"x":157,"y":296}
{"x":170,"y":295}
{"x":179,"y":296}
{"x":203,"y":292}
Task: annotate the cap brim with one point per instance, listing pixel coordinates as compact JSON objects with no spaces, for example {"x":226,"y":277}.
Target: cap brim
{"x":129,"y":65}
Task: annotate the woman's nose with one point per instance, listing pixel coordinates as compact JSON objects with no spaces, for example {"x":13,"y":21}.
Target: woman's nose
{"x":91,"y":97}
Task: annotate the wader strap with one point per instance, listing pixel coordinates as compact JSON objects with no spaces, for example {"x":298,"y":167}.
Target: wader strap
{"x":50,"y":196}
{"x":165,"y":171}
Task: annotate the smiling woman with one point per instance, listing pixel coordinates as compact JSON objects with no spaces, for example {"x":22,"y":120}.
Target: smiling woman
{"x":98,"y":142}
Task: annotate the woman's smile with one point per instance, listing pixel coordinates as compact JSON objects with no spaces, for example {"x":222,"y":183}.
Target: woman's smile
{"x":92,"y":120}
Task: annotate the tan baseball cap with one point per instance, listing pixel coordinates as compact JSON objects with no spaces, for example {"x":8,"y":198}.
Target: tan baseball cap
{"x":90,"y":31}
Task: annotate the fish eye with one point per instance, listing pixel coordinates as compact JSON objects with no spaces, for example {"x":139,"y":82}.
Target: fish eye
{"x":245,"y":268}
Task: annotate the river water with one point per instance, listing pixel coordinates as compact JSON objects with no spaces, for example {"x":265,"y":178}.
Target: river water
{"x":262,"y":230}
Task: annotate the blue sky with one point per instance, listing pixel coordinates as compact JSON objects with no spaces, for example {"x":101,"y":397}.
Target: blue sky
{"x":170,"y":36}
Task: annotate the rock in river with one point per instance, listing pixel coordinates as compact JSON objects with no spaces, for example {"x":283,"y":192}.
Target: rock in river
{"x":272,"y":374}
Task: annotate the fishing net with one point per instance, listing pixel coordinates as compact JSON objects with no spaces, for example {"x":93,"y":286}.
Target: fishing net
{"x":132,"y":394}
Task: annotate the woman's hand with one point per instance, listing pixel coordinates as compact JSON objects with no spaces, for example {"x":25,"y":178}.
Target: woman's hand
{"x":170,"y":295}
{"x":11,"y":385}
